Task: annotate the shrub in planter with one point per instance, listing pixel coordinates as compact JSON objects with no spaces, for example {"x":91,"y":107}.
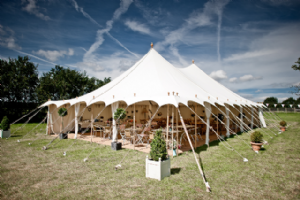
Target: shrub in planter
{"x":159,"y":166}
{"x":62,"y":112}
{"x":282,"y":125}
{"x":5,"y":124}
{"x":256,"y":140}
{"x":120,"y":114}
{"x":5,"y":133}
{"x":158,"y":147}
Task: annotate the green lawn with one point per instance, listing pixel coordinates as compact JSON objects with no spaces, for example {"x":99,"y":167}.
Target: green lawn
{"x":28,"y":172}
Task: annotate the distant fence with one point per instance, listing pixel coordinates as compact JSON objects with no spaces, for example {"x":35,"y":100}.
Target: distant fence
{"x":287,"y":110}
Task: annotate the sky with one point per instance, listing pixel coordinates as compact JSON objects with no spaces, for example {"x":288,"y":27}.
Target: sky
{"x":247,"y":45}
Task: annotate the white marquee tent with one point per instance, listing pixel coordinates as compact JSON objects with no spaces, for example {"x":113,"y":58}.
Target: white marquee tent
{"x":153,"y":79}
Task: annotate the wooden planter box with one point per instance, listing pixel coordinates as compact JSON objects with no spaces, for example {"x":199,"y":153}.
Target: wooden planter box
{"x":158,"y":169}
{"x":4,"y":134}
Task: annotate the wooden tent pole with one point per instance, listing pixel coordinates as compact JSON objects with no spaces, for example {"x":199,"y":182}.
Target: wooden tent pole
{"x":172,"y":128}
{"x":177,"y":130}
{"x":167,"y":127}
{"x":195,"y":125}
{"x":133,"y":126}
{"x":61,"y":128}
{"x":201,"y":172}
{"x":92,"y":121}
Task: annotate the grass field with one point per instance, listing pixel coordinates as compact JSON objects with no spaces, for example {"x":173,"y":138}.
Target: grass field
{"x":28,"y":172}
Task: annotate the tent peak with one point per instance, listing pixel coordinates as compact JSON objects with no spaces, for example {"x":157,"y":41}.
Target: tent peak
{"x":193,"y":61}
{"x":151,"y":44}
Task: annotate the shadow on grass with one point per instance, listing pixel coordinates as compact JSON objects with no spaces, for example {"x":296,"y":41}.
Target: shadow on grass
{"x":175,"y":170}
{"x":262,"y":149}
{"x":15,"y":135}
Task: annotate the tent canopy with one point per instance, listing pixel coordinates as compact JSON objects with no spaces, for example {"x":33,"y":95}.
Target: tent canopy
{"x":154,"y":78}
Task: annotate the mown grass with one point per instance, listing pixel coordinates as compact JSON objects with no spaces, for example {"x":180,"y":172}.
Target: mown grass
{"x":28,"y":172}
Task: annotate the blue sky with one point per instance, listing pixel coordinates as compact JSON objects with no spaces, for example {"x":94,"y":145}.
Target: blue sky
{"x":247,"y":45}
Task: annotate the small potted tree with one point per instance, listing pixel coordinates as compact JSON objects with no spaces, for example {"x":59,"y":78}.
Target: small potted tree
{"x":256,"y":140}
{"x":5,"y":132}
{"x":159,"y":165}
{"x":62,"y":112}
{"x":282,"y":125}
{"x":119,"y":116}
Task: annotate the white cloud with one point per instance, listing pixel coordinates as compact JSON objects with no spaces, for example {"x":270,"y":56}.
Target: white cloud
{"x":80,"y":9}
{"x":35,"y":57}
{"x":7,"y":38}
{"x":280,"y":46}
{"x":244,"y":78}
{"x":258,"y":91}
{"x":33,"y":9}
{"x":232,"y":80}
{"x":107,"y":65}
{"x":100,"y":33}
{"x":251,"y":54}
{"x":124,"y":5}
{"x":136,"y":26}
{"x":11,"y":44}
{"x":71,"y":52}
{"x":125,"y":64}
{"x":199,"y":18}
{"x":249,"y":77}
{"x":90,"y":66}
{"x":296,"y":84}
{"x":54,"y":55}
{"x":156,"y":17}
{"x":218,"y":75}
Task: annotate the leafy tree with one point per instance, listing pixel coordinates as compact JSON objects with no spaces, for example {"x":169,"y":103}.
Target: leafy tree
{"x":297,"y":101}
{"x":297,"y":86}
{"x":18,"y":83}
{"x":19,"y":79}
{"x":63,"y":83}
{"x":289,"y":101}
{"x":271,"y":101}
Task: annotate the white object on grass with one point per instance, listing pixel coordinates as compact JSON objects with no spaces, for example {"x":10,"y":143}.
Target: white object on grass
{"x":84,"y":160}
{"x":65,"y":153}
{"x":245,"y":159}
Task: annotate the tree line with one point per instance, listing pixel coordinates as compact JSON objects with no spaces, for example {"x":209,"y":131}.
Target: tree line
{"x":271,"y":101}
{"x":21,"y":88}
